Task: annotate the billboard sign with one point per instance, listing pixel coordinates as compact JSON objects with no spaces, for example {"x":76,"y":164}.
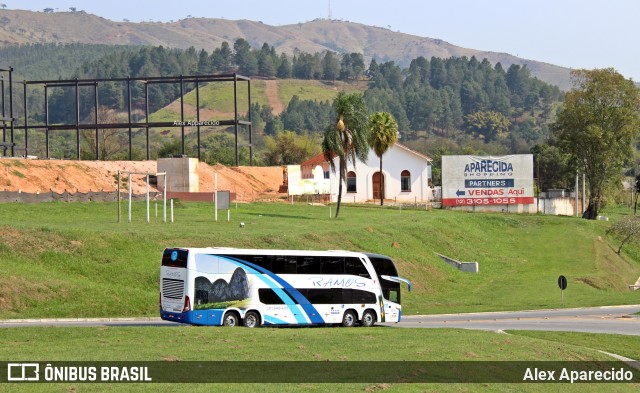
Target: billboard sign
{"x":474,"y":180}
{"x":299,"y":186}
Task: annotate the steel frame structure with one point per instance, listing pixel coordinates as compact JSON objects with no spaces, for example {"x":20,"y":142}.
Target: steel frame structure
{"x":9,"y":121}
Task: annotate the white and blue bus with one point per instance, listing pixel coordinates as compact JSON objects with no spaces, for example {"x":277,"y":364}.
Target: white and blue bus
{"x":231,"y":287}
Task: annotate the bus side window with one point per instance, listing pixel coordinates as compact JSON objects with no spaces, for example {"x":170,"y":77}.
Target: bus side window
{"x":355,"y":296}
{"x":262,"y":261}
{"x":284,"y":264}
{"x":308,"y":265}
{"x":268,"y":296}
{"x":332,"y":265}
{"x":363,"y":297}
{"x":202,"y":290}
{"x":355,"y":267}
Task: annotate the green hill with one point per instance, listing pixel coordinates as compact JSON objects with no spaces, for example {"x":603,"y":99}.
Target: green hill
{"x":216,"y":99}
{"x":75,"y":260}
{"x":53,"y":61}
{"x":23,"y":27}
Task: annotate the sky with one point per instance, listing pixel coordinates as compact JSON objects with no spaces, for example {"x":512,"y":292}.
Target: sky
{"x":569,"y":33}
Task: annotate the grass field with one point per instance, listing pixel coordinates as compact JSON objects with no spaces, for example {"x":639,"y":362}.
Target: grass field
{"x":218,"y":97}
{"x":627,"y":346}
{"x":180,"y":344}
{"x":315,"y":90}
{"x":75,"y":260}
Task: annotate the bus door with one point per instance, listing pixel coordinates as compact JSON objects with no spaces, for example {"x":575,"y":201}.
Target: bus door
{"x":391,"y":293}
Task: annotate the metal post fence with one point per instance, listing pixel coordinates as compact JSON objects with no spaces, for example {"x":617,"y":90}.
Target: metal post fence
{"x":93,"y":122}
{"x":147,"y":198}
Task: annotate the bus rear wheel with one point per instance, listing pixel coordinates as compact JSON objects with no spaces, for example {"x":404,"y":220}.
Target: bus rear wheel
{"x":368,"y":318}
{"x":251,"y":319}
{"x":349,"y":319}
{"x":230,"y":319}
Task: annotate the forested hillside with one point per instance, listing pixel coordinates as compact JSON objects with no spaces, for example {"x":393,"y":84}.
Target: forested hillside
{"x":53,"y":61}
{"x":443,"y":106}
{"x":22,"y":27}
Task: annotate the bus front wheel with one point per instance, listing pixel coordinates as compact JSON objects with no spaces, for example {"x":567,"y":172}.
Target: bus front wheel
{"x":368,"y":318}
{"x":251,"y":319}
{"x":349,"y":319}
{"x":230,"y":319}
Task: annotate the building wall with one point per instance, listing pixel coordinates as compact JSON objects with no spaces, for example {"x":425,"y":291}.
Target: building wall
{"x":182,"y":174}
{"x":394,"y":161}
{"x":560,"y":206}
{"x":91,"y":196}
{"x":307,"y":170}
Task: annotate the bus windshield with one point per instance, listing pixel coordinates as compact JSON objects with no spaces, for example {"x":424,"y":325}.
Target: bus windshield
{"x":174,"y":258}
{"x":384,"y":267}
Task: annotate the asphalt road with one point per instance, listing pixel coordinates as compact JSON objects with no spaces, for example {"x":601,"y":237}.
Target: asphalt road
{"x":615,"y":320}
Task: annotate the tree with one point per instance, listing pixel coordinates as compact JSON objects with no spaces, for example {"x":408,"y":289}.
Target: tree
{"x":288,"y":148}
{"x":373,"y":70}
{"x":347,"y":138}
{"x":245,"y":58}
{"x":628,"y":228}
{"x":307,"y":66}
{"x":391,"y":74}
{"x":519,"y":81}
{"x":266,"y":61}
{"x":221,"y":58}
{"x":204,"y":62}
{"x":551,"y":168}
{"x":266,"y":67}
{"x":112,"y":142}
{"x":352,"y":66}
{"x":170,"y":148}
{"x":437,"y":73}
{"x":220,"y":149}
{"x":284,"y":69}
{"x":597,"y":127}
{"x":489,"y":126}
{"x":384,"y":134}
{"x":330,"y":66}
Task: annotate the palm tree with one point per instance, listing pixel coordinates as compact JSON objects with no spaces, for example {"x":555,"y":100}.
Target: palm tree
{"x":347,"y":138}
{"x":384,"y":134}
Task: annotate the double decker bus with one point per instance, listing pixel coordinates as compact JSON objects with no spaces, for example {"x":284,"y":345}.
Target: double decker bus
{"x":232,"y":287}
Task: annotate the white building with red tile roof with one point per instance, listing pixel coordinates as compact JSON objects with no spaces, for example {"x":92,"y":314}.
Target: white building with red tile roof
{"x":406,"y":176}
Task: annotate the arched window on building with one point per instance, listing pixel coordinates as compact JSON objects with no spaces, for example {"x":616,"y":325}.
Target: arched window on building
{"x":351,"y":182}
{"x":405,"y":181}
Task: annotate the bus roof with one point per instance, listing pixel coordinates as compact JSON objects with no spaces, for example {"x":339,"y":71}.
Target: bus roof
{"x":254,"y":251}
{"x":374,"y":255}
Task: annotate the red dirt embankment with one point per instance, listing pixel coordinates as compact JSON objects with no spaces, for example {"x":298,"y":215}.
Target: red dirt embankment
{"x":32,"y":176}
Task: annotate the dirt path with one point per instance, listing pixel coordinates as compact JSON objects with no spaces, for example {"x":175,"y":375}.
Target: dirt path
{"x":271,"y":91}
